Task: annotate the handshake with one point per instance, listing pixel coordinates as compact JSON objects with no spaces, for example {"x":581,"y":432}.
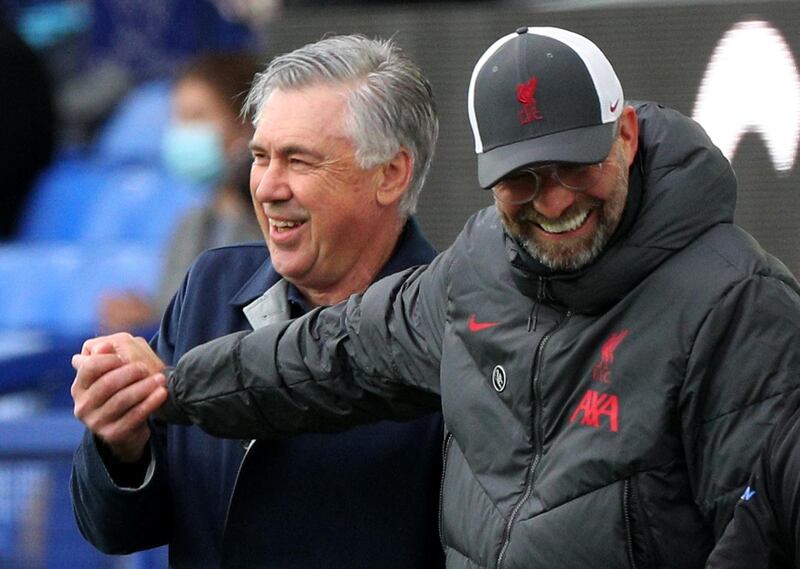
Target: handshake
{"x":119,"y":383}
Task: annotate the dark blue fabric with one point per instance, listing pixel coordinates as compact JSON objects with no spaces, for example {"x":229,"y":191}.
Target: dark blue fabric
{"x":364,"y":498}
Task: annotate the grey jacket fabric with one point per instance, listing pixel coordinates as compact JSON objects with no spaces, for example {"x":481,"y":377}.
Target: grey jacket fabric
{"x":603,"y":418}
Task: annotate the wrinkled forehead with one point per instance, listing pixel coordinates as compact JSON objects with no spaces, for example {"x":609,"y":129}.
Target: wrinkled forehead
{"x":315,"y":116}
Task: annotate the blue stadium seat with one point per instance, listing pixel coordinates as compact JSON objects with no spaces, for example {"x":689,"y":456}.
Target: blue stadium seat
{"x":133,"y":134}
{"x":32,"y":279}
{"x":114,"y":267}
{"x":56,"y":287}
{"x":139,"y":203}
{"x":60,"y":200}
{"x":119,"y":190}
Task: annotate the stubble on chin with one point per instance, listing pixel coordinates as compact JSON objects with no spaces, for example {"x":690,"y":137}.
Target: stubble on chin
{"x":570,"y":254}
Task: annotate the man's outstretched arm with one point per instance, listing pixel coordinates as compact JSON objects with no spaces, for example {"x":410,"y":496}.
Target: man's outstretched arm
{"x":373,"y":357}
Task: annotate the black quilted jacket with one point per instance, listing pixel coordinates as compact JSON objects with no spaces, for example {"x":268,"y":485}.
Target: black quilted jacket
{"x":606,"y":418}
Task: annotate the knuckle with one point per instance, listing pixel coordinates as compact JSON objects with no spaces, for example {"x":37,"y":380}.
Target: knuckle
{"x":93,"y":424}
{"x":121,"y":337}
{"x":82,"y":411}
{"x":103,"y":388}
{"x":134,"y":416}
{"x":91,"y":367}
{"x":143,"y":410}
{"x":121,"y":404}
{"x":88,"y":366}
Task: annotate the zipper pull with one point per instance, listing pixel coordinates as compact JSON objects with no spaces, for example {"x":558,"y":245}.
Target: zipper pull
{"x":533,"y":317}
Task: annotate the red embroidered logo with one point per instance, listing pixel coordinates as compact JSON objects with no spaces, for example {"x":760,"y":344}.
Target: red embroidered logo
{"x":526,"y":95}
{"x":602,"y":370}
{"x":594,"y":405}
{"x":614,"y":106}
{"x":475,"y":326}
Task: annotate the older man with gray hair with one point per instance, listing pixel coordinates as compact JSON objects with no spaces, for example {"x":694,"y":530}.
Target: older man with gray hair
{"x":345,"y":134}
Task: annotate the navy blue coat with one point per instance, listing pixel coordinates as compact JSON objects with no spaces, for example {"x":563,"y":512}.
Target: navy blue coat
{"x":367,"y":497}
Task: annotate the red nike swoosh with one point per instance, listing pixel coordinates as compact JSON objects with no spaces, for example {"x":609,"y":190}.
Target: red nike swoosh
{"x":614,"y":106}
{"x":475,"y":326}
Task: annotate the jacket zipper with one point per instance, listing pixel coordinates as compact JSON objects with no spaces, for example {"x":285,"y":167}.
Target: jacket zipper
{"x":626,"y":513}
{"x":533,"y":317}
{"x":537,"y":435}
{"x":446,"y":447}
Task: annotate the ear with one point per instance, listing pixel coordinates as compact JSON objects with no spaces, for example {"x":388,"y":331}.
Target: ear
{"x":629,"y":132}
{"x":394,"y":177}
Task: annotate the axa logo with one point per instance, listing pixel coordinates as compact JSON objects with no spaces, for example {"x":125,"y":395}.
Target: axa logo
{"x":475,"y":326}
{"x":602,"y":369}
{"x":597,"y":409}
{"x":526,"y":95}
{"x":752,"y":84}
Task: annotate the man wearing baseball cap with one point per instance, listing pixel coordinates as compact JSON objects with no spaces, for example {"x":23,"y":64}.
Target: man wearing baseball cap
{"x":608,"y":348}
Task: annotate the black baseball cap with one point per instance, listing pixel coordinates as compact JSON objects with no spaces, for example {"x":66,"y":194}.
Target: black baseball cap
{"x":542,"y":95}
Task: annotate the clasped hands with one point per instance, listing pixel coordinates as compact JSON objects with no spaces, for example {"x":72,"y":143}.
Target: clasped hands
{"x":119,"y":383}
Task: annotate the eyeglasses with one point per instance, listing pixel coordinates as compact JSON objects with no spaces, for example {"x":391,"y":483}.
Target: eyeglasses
{"x":522,"y":185}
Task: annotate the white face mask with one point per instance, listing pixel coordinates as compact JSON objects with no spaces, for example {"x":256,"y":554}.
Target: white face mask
{"x":193,"y":152}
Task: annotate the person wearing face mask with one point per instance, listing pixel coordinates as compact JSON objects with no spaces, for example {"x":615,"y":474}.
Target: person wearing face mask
{"x":205,"y":144}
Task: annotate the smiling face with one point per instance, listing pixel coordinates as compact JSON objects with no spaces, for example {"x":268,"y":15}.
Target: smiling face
{"x":565,"y":230}
{"x":327,"y":230}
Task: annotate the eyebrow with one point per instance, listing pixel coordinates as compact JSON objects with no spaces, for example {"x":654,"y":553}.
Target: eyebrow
{"x":288,"y":150}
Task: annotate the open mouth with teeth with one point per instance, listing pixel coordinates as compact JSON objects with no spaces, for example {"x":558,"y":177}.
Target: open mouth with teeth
{"x":566,"y":225}
{"x":281,"y":225}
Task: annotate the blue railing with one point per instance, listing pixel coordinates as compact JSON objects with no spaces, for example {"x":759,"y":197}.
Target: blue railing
{"x":38,"y":435}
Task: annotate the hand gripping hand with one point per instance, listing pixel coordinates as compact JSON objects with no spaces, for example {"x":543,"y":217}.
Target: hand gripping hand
{"x":117,"y":386}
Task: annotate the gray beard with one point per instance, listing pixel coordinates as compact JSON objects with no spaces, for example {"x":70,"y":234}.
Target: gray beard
{"x":567,"y":259}
{"x":570,"y":262}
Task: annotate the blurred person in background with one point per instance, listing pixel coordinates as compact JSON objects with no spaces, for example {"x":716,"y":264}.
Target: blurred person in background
{"x":345,"y":134}
{"x":27,"y":124}
{"x":205,"y":145}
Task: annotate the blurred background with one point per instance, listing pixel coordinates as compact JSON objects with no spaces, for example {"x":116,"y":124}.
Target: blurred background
{"x":93,"y":199}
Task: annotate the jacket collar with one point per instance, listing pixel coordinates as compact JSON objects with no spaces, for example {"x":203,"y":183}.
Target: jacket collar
{"x":412,"y":249}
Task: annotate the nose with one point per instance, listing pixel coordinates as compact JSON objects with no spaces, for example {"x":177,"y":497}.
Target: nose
{"x":553,"y":199}
{"x":269,"y":182}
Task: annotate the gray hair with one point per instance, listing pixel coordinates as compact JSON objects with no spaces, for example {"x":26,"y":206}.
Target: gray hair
{"x":391,"y":102}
